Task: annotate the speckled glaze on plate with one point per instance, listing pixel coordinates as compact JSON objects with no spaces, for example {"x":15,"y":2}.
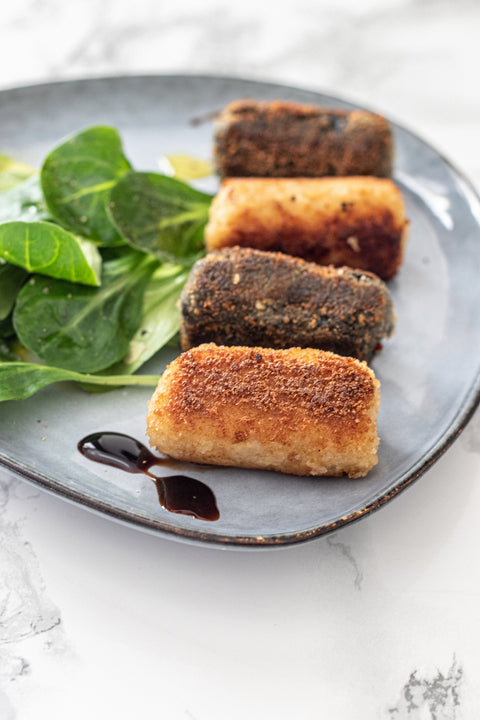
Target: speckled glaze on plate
{"x":429,"y":370}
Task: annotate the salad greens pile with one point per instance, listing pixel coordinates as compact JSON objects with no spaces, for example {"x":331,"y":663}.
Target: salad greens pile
{"x":93,"y":258}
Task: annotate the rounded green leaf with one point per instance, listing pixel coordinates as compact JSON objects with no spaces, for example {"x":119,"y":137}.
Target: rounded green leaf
{"x":42,"y":247}
{"x":11,"y":280}
{"x":82,"y":328}
{"x":76,"y":180}
{"x":161,"y":215}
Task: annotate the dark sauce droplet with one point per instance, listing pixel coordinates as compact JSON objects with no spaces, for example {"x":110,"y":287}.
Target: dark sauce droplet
{"x":176,"y":493}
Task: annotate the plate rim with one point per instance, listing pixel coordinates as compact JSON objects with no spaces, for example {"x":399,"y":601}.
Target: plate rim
{"x":154,"y":526}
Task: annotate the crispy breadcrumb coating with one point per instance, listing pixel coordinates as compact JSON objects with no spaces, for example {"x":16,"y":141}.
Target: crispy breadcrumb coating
{"x":287,"y":139}
{"x":243,"y":296}
{"x":354,"y":221}
{"x":298,"y":411}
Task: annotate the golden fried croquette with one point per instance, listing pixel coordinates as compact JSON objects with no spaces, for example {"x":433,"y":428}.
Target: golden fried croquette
{"x":298,"y":411}
{"x":354,"y":221}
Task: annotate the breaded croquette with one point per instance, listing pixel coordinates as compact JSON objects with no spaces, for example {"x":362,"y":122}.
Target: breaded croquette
{"x":297,"y":411}
{"x":288,"y":139}
{"x":242,"y":296}
{"x":354,"y":221}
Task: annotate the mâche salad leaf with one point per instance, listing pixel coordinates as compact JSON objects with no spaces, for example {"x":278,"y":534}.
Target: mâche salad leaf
{"x":80,"y":328}
{"x":11,"y":280}
{"x":160,"y":215}
{"x":93,"y":258}
{"x":77,"y":178}
{"x":160,"y":320}
{"x":20,"y":380}
{"x":42,"y":247}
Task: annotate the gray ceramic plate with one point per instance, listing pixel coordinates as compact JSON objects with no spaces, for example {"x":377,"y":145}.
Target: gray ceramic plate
{"x":429,"y":370}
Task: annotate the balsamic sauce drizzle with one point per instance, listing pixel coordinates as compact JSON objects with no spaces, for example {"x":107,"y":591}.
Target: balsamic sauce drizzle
{"x":176,"y":493}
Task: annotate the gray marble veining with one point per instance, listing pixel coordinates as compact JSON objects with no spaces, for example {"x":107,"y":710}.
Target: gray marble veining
{"x":346,"y":552}
{"x":26,"y":610}
{"x":435,"y":696}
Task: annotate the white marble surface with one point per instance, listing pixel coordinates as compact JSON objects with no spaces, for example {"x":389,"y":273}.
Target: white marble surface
{"x":378,"y":621}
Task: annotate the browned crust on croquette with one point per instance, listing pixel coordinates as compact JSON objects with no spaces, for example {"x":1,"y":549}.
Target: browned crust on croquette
{"x":287,"y":139}
{"x":243,"y":296}
{"x":300,"y":411}
{"x":355,"y":221}
{"x":284,"y":385}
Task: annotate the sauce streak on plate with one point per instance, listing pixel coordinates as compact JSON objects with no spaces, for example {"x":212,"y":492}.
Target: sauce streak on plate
{"x":176,"y":493}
